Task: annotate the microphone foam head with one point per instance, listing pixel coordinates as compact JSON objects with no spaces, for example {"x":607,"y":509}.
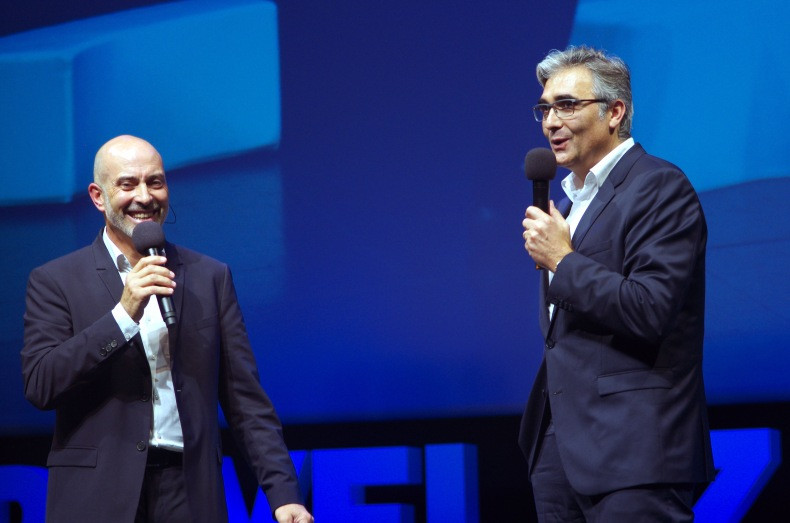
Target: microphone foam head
{"x":147,"y":235}
{"x":540,"y":164}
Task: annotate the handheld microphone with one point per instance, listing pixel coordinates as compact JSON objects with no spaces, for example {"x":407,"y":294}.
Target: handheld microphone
{"x":540,"y":166}
{"x":148,"y":238}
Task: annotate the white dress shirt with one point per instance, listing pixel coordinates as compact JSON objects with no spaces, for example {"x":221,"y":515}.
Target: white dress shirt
{"x":166,"y":429}
{"x":582,"y":196}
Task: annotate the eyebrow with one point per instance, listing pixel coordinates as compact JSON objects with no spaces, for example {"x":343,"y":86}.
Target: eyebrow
{"x":133,"y":178}
{"x":125,"y":178}
{"x":557,"y":98}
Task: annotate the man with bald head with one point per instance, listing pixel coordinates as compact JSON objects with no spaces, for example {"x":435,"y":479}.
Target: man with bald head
{"x":137,"y":435}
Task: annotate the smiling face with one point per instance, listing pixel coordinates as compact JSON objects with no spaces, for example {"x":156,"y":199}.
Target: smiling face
{"x":582,"y":140}
{"x":129,"y":187}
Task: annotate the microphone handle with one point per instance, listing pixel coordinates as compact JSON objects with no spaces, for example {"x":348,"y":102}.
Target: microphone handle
{"x":540,"y":199}
{"x":165,"y":302}
{"x":540,"y":195}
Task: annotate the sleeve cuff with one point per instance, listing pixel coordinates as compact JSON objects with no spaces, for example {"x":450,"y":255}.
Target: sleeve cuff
{"x":125,"y":322}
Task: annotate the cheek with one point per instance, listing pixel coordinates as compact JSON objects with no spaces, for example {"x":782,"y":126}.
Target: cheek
{"x":119,"y":201}
{"x":161,"y":196}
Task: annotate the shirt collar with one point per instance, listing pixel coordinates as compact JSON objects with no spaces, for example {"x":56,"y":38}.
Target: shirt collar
{"x":597,"y":175}
{"x":118,"y":258}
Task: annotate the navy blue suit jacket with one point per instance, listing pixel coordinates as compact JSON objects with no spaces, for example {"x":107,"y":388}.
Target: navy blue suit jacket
{"x":76,"y":361}
{"x":622,"y":361}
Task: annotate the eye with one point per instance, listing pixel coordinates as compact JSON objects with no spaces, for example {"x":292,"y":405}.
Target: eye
{"x":564,"y":105}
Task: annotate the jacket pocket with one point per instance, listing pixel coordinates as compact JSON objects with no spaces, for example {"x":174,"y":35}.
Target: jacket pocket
{"x":634,"y":380}
{"x":73,"y":457}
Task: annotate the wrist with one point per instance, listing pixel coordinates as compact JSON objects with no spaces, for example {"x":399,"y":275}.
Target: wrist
{"x":557,"y":264}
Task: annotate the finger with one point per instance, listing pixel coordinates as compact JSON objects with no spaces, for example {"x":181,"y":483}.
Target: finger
{"x":148,"y":261}
{"x":151,"y":280}
{"x":157,"y":283}
{"x":554,"y":212}
{"x":535,"y":213}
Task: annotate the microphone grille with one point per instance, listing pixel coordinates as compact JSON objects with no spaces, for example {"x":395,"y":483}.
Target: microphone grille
{"x":147,"y":235}
{"x":540,"y":164}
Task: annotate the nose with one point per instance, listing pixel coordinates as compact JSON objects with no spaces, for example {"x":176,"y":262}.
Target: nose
{"x":142,"y":195}
{"x":552,"y":121}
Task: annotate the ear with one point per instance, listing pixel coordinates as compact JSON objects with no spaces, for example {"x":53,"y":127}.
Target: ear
{"x":618,"y":113}
{"x":96,"y":195}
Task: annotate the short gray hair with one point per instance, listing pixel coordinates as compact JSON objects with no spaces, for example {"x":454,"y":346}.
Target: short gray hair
{"x":611,"y":77}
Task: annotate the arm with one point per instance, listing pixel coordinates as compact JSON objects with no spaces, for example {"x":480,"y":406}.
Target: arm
{"x":250,"y":412}
{"x":68,"y":337}
{"x":658,"y":236}
{"x":55,"y":358}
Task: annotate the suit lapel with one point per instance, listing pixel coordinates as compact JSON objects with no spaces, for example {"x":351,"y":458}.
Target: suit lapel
{"x":546,"y":323}
{"x":175,"y":264}
{"x":106,"y":269}
{"x":601,"y":200}
{"x":543,"y":316}
{"x":606,"y":192}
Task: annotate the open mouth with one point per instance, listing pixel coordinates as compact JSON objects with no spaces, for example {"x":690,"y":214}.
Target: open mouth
{"x":559,"y":142}
{"x":143,"y":215}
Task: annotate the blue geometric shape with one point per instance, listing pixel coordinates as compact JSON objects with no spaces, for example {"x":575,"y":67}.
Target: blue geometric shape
{"x":678,"y":52}
{"x":261,"y":511}
{"x":198,"y":79}
{"x":25,"y":485}
{"x":746,"y":459}
{"x":451,"y":484}
{"x":341,"y":475}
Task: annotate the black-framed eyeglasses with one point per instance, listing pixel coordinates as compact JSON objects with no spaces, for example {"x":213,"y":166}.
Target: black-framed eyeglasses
{"x":562,"y":108}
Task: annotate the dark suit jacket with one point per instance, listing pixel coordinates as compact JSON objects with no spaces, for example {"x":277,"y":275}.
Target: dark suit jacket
{"x":622,"y":366}
{"x":75,"y":360}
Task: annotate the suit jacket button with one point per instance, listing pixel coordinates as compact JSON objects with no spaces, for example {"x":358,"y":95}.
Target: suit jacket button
{"x":550,"y":343}
{"x":113,"y":344}
{"x":141,"y":446}
{"x":144,"y":397}
{"x":102,"y":352}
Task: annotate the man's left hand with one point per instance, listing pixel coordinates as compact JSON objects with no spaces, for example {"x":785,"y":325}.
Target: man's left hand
{"x":292,"y":513}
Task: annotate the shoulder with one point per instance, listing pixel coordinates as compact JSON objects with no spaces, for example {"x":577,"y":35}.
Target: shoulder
{"x":74,"y":261}
{"x":644,"y":171}
{"x":195,"y":259}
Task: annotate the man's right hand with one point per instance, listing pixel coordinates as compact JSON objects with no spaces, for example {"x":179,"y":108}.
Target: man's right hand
{"x":148,"y":277}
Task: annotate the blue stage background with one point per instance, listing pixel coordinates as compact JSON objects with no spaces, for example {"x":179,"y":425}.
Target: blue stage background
{"x":376,"y":244}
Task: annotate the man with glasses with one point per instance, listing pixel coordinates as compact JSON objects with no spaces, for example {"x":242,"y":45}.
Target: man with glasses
{"x":615,"y":428}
